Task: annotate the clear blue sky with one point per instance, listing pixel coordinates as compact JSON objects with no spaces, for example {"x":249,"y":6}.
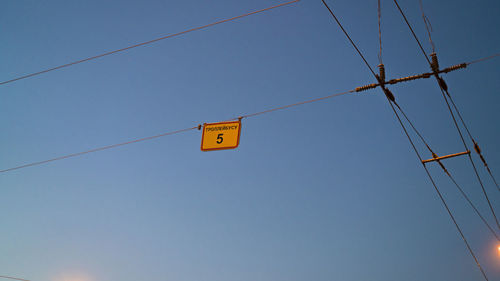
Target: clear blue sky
{"x":325,"y":191}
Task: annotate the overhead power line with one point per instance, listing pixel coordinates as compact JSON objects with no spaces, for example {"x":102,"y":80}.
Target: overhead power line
{"x":485,"y":58}
{"x":170,"y":133}
{"x":349,"y":37}
{"x":97,"y":149}
{"x":434,"y":65}
{"x":358,"y":89}
{"x":145,"y":43}
{"x":462,"y":192}
{"x":392,"y":102}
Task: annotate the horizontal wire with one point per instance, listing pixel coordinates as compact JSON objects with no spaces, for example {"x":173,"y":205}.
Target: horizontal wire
{"x":169,"y":133}
{"x":145,"y":43}
{"x":485,"y":58}
{"x":297,"y":104}
{"x":97,"y":149}
{"x":13,"y":278}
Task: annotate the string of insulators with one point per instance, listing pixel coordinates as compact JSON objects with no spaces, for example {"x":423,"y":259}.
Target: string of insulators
{"x":366,"y":87}
{"x":412,"y":77}
{"x":381,"y":70}
{"x":478,"y":151}
{"x":435,"y":63}
{"x":409,"y":78}
{"x":454,"y":67}
{"x":381,"y":80}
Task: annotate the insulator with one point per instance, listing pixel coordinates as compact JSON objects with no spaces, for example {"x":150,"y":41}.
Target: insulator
{"x":381,"y":70}
{"x":442,"y":84}
{"x":454,"y":67}
{"x":365,"y":87}
{"x":476,"y":148}
{"x":199,"y":127}
{"x":389,"y":95}
{"x":435,"y":63}
{"x":409,"y":78}
{"x":443,"y":167}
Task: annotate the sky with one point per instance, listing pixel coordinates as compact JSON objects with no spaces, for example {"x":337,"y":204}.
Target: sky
{"x":325,"y":191}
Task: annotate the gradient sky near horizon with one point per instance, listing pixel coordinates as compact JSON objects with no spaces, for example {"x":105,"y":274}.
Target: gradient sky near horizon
{"x":325,"y":191}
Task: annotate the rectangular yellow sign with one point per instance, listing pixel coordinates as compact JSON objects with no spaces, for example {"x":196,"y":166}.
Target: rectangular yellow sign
{"x":222,"y":135}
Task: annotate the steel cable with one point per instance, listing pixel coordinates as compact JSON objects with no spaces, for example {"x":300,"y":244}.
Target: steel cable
{"x":414,"y":148}
{"x":145,"y":43}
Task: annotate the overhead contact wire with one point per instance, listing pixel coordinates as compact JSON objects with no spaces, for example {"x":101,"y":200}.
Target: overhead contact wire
{"x":413,"y":32}
{"x":473,"y":206}
{"x":442,"y":198}
{"x":349,"y":37}
{"x":145,"y":43}
{"x":446,"y":96}
{"x":466,"y":197}
{"x":473,"y":140}
{"x":416,"y":151}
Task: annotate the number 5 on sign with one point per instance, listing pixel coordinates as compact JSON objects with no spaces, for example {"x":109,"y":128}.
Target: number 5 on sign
{"x":223,"y":135}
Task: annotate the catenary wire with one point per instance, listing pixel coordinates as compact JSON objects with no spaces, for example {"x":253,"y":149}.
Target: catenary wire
{"x":145,"y":43}
{"x":472,"y":162}
{"x":416,"y":151}
{"x":414,"y":128}
{"x":171,"y":133}
{"x":472,"y":205}
{"x":466,"y":197}
{"x":349,"y":37}
{"x":13,"y":278}
{"x":452,"y":115}
{"x":473,"y":141}
{"x":413,"y":32}
{"x":441,"y":197}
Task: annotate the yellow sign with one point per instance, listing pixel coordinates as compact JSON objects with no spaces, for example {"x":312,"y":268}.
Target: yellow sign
{"x":223,"y":135}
